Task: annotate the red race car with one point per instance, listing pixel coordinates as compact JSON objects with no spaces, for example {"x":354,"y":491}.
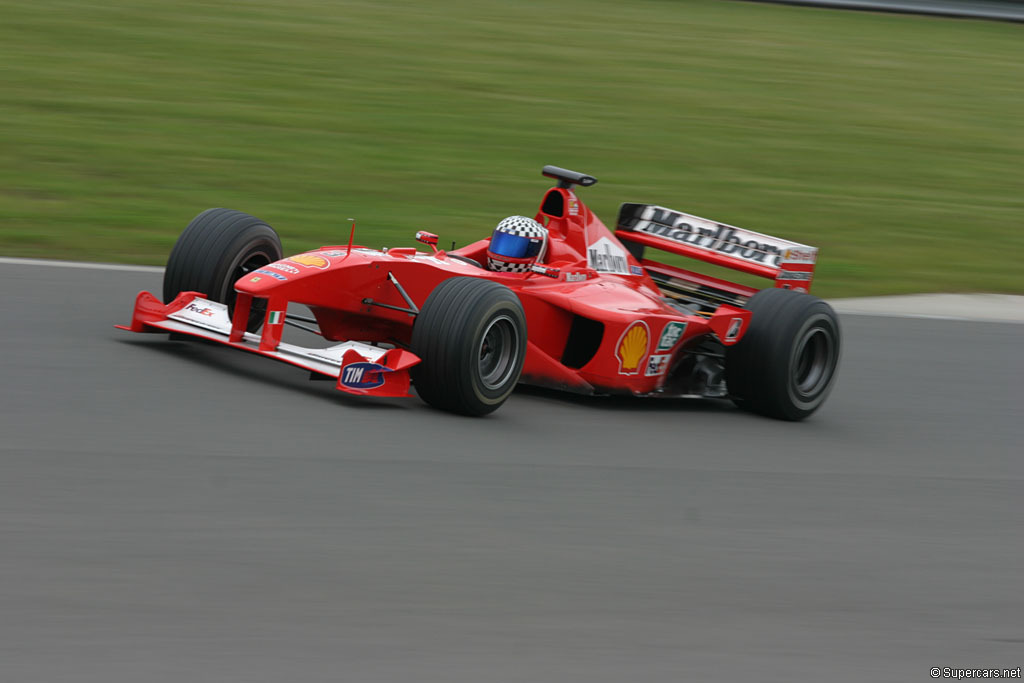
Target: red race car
{"x":556,"y":300}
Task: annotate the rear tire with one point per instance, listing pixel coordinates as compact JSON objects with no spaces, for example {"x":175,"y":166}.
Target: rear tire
{"x":217,"y":248}
{"x":785,"y":364}
{"x":471,"y":338}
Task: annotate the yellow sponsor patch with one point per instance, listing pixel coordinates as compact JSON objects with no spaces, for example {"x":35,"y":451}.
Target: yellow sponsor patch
{"x":310,"y":260}
{"x":632,"y":348}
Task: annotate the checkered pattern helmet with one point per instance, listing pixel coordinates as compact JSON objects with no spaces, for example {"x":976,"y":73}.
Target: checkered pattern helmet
{"x":517,"y":243}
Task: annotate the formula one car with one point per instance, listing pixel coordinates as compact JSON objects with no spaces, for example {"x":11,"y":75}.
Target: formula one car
{"x":556,"y":300}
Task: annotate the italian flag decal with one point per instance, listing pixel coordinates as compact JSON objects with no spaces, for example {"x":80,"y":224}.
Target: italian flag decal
{"x":276,"y":317}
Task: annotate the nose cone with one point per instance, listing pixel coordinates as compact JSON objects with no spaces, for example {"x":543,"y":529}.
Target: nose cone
{"x":270,"y":276}
{"x":293,"y":269}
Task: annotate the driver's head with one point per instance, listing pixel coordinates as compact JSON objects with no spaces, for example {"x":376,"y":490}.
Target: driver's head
{"x":517,"y":243}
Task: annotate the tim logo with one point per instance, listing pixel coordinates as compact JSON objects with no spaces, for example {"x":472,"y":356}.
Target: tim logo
{"x":363,"y":375}
{"x":734,"y":329}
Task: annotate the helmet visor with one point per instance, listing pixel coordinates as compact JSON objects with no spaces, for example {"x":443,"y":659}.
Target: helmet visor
{"x":515,"y":246}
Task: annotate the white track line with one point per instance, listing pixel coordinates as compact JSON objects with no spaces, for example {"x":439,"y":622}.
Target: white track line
{"x":922,"y":316}
{"x":79,"y":264}
{"x":1003,"y":308}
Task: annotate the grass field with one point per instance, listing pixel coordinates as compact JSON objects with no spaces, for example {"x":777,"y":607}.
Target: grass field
{"x":894,"y":143}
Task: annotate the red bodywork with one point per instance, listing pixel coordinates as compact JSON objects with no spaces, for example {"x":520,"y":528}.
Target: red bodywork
{"x":597,"y":321}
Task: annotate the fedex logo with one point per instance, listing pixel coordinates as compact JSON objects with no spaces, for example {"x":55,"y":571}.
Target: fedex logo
{"x":208,"y":312}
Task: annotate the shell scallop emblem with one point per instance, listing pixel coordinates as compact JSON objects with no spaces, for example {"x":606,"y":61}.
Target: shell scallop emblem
{"x":632,"y":348}
{"x":310,"y":260}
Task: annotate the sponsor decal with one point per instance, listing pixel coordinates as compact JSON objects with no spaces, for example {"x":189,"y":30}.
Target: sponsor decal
{"x":574,"y":205}
{"x":632,"y":348}
{"x":311,"y":260}
{"x":793,"y":275}
{"x":284,"y":267}
{"x":575,"y":277}
{"x":363,"y":375}
{"x":605,"y":256}
{"x":276,"y":317}
{"x":800,"y":256}
{"x":545,"y":270}
{"x":210,"y":315}
{"x":712,"y":236}
{"x":201,"y":310}
{"x":734,"y":329}
{"x":256,"y":278}
{"x":446,"y":262}
{"x":636,"y":270}
{"x":657,"y":365}
{"x":332,"y":253}
{"x":276,"y":276}
{"x":671,"y":335}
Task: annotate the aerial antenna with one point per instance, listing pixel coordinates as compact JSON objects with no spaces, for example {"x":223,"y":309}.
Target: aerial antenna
{"x":351,"y":236}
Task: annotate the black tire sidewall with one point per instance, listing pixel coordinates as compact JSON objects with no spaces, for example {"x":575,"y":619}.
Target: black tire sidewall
{"x":819,"y":320}
{"x":761,"y":370}
{"x":501,"y":307}
{"x":252,"y":242}
{"x":448,"y":335}
{"x":211,"y":249}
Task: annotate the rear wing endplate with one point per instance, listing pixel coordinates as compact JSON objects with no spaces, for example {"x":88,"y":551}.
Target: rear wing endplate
{"x":789,"y":264}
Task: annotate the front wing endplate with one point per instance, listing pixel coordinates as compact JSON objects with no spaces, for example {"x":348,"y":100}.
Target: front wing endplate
{"x":359,"y":368}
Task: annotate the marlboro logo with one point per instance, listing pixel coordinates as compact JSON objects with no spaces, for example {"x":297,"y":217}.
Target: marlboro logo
{"x":605,"y":256}
{"x":712,"y":236}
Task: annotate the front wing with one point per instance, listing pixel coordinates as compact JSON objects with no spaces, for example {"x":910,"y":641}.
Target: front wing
{"x":358,"y":368}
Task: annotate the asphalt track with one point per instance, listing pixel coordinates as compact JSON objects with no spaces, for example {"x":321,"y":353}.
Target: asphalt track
{"x":183,"y":512}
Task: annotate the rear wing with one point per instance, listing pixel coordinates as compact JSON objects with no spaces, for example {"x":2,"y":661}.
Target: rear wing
{"x":789,"y":264}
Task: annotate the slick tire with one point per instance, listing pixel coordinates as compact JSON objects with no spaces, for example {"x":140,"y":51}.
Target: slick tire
{"x":785,"y":365}
{"x":217,"y":248}
{"x":471,"y":338}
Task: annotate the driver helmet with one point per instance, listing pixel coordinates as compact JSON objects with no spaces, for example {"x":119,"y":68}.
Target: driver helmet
{"x":517,"y":243}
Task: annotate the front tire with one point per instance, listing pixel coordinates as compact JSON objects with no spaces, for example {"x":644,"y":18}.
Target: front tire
{"x":785,"y":365}
{"x":217,"y":248}
{"x":471,"y":338}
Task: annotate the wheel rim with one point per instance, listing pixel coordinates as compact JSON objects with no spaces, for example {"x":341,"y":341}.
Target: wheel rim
{"x":814,"y":362}
{"x":498,"y":353}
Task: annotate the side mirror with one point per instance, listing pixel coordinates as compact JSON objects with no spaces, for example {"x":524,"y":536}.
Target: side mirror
{"x":427,"y":238}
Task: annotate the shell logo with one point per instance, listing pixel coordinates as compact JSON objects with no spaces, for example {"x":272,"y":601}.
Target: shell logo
{"x":310,"y":260}
{"x":632,"y":348}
